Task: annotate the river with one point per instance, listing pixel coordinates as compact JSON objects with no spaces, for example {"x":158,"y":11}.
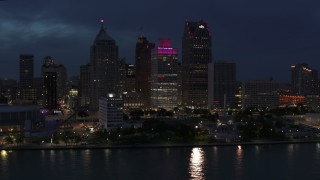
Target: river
{"x":277,"y":161}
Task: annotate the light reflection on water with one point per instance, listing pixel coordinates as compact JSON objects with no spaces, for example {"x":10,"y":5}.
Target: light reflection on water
{"x":290,"y":161}
{"x":197,"y":164}
{"x":239,"y":161}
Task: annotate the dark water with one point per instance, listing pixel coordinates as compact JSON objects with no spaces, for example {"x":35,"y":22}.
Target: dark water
{"x":296,"y":161}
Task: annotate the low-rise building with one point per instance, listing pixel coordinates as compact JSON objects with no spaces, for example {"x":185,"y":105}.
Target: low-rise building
{"x":110,"y":112}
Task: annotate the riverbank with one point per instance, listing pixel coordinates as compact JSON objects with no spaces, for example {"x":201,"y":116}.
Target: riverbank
{"x":83,"y":147}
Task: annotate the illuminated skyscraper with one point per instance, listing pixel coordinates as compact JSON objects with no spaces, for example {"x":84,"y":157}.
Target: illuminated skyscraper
{"x":104,"y":64}
{"x":196,"y":54}
{"x":164,"y":64}
{"x":143,"y":69}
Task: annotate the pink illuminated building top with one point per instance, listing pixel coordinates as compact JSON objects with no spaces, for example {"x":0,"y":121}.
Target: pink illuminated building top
{"x":164,"y":47}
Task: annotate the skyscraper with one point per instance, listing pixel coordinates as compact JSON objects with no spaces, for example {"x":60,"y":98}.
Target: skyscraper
{"x":164,"y":66}
{"x":304,"y":80}
{"x":26,"y":70}
{"x":143,"y":69}
{"x":50,"y":66}
{"x":196,"y":54}
{"x":222,"y":85}
{"x":26,"y":75}
{"x":50,"y":90}
{"x":104,"y":64}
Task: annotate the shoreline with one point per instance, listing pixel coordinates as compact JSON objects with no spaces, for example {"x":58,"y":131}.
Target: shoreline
{"x":141,"y":146}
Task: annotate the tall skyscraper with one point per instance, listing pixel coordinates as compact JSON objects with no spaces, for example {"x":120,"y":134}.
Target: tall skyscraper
{"x":164,"y":72}
{"x":143,"y":69}
{"x":304,"y":80}
{"x":222,"y":85}
{"x":104,"y":64}
{"x":196,"y":54}
{"x":50,"y":66}
{"x":26,"y":75}
{"x":50,"y":90}
{"x":26,"y":70}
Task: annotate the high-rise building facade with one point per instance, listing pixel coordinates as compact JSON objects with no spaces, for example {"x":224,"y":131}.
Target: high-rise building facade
{"x":164,"y":72}
{"x":50,"y":66}
{"x":260,"y":94}
{"x":196,"y":54}
{"x":143,"y":69}
{"x":50,"y":90}
{"x":304,"y":80}
{"x":26,"y":70}
{"x":222,"y":85}
{"x":130,"y":80}
{"x":104,"y":64}
{"x":85,"y":80}
{"x":26,"y":92}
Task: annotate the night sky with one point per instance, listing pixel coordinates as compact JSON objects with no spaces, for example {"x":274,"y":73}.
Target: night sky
{"x":263,"y":37}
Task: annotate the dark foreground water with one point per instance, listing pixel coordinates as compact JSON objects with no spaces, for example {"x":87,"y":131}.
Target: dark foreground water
{"x":293,"y":161}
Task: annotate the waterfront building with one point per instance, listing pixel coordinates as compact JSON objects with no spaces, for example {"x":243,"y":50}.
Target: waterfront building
{"x":50,"y":100}
{"x":261,"y":94}
{"x":222,"y":85}
{"x":143,"y":69}
{"x":110,"y":112}
{"x":18,"y":118}
{"x":164,"y":64}
{"x":304,"y":80}
{"x":104,"y":67}
{"x":196,"y":54}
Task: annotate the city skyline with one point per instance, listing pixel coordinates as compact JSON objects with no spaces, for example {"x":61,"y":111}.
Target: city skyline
{"x":249,"y":34}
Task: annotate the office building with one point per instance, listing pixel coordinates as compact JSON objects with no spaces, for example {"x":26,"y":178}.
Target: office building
{"x":143,"y":69}
{"x":164,"y":72}
{"x":104,"y":64}
{"x":85,"y":80}
{"x":222,"y":85}
{"x":196,"y":54}
{"x":50,"y":90}
{"x":304,"y":80}
{"x":261,"y":94}
{"x":110,"y":112}
{"x":60,"y":70}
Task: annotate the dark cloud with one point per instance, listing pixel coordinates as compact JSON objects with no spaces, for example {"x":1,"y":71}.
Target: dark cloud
{"x":263,"y":37}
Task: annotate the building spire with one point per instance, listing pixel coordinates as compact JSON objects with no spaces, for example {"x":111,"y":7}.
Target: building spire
{"x":141,"y":31}
{"x":101,"y":21}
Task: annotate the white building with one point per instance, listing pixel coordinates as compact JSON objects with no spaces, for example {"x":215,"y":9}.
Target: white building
{"x":110,"y":112}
